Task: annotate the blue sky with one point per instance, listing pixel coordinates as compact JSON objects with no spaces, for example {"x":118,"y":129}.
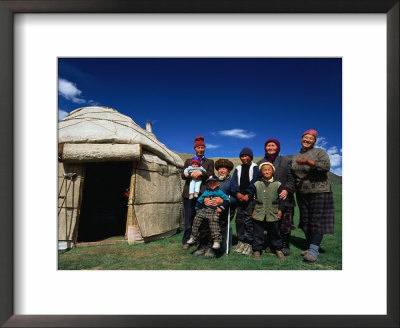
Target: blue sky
{"x":232,"y":102}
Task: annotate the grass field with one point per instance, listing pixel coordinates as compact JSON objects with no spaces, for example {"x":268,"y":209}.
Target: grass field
{"x":167,"y":254}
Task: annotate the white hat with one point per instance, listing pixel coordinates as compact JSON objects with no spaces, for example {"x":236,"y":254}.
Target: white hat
{"x":266,"y":163}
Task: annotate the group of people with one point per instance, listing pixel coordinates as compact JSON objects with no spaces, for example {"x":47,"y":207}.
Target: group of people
{"x":262,"y":196}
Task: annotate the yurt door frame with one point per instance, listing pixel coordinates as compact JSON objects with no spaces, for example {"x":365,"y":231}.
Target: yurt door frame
{"x":132,"y":227}
{"x":104,"y":206}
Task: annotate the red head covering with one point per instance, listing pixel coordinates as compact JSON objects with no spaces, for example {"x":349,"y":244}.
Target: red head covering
{"x":312,"y":132}
{"x":199,"y":141}
{"x":196,"y":160}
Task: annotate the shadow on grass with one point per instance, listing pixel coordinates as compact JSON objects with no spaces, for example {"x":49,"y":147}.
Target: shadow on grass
{"x":302,"y":244}
{"x":298,"y":242}
{"x":63,"y":251}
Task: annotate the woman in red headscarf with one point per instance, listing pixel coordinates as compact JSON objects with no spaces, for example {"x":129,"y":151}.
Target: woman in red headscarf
{"x":314,"y":196}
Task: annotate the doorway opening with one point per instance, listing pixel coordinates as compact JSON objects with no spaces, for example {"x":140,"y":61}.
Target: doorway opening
{"x":104,"y":205}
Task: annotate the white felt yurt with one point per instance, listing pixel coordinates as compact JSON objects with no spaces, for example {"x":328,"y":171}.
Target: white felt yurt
{"x":116,"y":181}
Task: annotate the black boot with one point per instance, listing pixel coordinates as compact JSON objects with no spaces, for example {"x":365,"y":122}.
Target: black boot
{"x":285,"y":243}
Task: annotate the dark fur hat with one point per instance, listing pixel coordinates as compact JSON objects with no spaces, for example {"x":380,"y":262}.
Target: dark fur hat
{"x":224,"y":163}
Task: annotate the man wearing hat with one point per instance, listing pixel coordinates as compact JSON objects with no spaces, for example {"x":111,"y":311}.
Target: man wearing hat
{"x":189,"y":204}
{"x":223,"y":167}
{"x":209,"y":213}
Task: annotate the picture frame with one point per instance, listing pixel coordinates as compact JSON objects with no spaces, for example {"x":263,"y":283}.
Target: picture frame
{"x":8,"y":8}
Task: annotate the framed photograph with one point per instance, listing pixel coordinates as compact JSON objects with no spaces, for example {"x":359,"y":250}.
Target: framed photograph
{"x":137,"y":199}
{"x":36,"y":34}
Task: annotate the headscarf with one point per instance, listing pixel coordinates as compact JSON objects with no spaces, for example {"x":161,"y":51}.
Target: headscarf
{"x":271,"y":158}
{"x":312,"y":132}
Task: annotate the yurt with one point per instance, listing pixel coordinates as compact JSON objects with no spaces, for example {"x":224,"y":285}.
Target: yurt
{"x":116,"y":181}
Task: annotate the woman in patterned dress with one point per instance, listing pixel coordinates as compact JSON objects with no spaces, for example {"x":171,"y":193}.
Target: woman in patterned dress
{"x":314,"y":196}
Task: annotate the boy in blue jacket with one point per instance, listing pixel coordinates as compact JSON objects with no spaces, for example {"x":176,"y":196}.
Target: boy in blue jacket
{"x":210,"y":213}
{"x":242,"y":188}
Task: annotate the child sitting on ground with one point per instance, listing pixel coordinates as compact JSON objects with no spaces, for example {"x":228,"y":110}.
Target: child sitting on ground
{"x":194,"y":186}
{"x":267,"y":211}
{"x":210,"y":213}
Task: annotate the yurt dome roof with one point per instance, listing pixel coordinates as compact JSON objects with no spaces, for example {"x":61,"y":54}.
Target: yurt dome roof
{"x":106,"y":125}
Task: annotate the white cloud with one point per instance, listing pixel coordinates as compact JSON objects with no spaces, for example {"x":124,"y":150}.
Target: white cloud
{"x":321,"y":142}
{"x":61,"y":114}
{"x":69,"y":91}
{"x":336,"y":159}
{"x":237,"y":133}
{"x":211,"y":146}
{"x":332,"y":150}
{"x":334,"y":155}
{"x":93,"y":103}
{"x":337,"y":171}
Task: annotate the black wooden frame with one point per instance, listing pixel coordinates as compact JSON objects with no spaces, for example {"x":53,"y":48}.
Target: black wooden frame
{"x":7,"y":10}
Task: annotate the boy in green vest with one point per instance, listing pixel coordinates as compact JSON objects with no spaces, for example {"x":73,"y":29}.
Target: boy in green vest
{"x":268,"y":211}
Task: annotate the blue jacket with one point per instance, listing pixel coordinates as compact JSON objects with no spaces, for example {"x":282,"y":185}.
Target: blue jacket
{"x":254,"y":175}
{"x":213,"y":193}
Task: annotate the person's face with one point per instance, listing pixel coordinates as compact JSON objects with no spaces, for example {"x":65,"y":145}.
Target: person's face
{"x":200,"y":151}
{"x":307,"y":141}
{"x":223,"y":172}
{"x":267,"y":172}
{"x":213,"y":184}
{"x":271,"y":148}
{"x":245,"y":159}
{"x":195,"y":165}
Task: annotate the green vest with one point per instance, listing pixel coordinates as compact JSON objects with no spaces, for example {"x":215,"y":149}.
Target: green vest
{"x":266,"y":201}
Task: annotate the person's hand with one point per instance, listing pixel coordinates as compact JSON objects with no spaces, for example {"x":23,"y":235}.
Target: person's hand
{"x":245,"y":198}
{"x":311,"y":163}
{"x":187,"y":175}
{"x":208,"y":201}
{"x":302,"y":161}
{"x":219,"y":210}
{"x":196,"y":175}
{"x":252,"y":214}
{"x":283,"y":194}
{"x":239,"y":197}
{"x":279,"y":214}
{"x":305,"y":161}
{"x":217,"y":201}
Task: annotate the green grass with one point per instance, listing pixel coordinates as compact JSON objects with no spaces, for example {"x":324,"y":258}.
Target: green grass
{"x":167,"y":254}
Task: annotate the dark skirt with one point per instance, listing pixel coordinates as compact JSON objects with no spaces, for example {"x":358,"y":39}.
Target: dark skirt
{"x":317,"y":212}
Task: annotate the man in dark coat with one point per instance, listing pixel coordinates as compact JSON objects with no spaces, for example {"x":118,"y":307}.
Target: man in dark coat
{"x":189,"y":204}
